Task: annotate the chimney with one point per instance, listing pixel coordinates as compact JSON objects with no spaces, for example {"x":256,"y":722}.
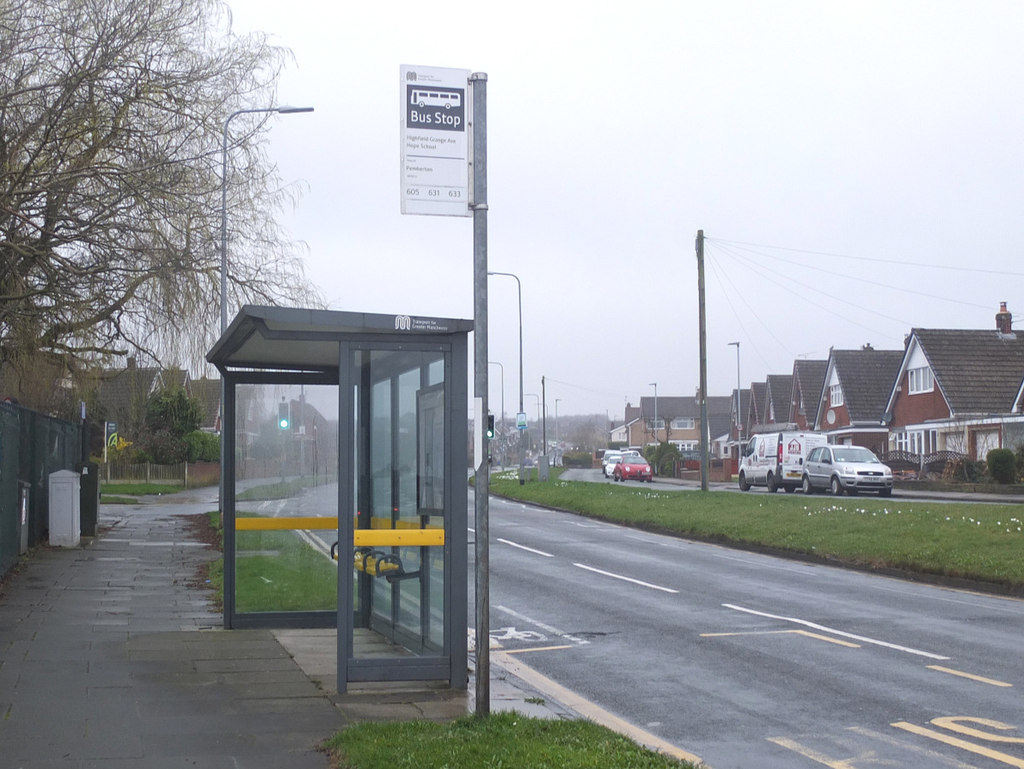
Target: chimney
{"x":1004,"y":320}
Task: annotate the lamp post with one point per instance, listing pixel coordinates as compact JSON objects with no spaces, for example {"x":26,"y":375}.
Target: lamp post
{"x":502,"y":423}
{"x":739,"y":424}
{"x":534,"y":395}
{"x":522,"y":444}
{"x":283,"y":110}
{"x":654,"y":425}
{"x":558,"y":437}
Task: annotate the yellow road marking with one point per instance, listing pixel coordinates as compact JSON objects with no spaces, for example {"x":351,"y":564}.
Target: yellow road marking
{"x":588,"y":709}
{"x":821,"y":758}
{"x":982,"y":679}
{"x":538,"y":649}
{"x":806,"y":633}
{"x":953,"y":723}
{"x":956,"y":742}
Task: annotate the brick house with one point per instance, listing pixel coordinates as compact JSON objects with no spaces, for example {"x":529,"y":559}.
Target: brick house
{"x":777,"y":400}
{"x":677,"y":421}
{"x":808,"y":377}
{"x":854,"y":392}
{"x":959,"y":390}
{"x":755,"y":407}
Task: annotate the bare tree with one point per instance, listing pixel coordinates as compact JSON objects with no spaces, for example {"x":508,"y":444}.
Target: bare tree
{"x":111,"y":116}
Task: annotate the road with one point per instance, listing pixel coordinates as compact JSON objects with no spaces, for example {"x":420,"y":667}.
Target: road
{"x":752,"y":661}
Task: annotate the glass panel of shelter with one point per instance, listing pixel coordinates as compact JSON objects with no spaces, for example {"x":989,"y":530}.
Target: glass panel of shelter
{"x":399,"y":487}
{"x":285,"y":473}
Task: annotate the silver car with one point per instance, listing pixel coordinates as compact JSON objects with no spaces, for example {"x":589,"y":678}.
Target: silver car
{"x":849,"y":469}
{"x":611,"y":458}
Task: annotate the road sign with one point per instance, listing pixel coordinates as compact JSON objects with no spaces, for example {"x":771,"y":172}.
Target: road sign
{"x":435,"y":148}
{"x":521,"y":420}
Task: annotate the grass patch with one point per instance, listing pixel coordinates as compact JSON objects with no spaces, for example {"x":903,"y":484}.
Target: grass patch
{"x":980,"y":542}
{"x":501,"y":740}
{"x":105,"y":500}
{"x":279,"y":571}
{"x":140,"y":489}
{"x":274,"y":571}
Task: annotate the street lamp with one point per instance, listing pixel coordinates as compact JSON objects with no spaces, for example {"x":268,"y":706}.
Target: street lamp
{"x":534,"y":395}
{"x":558,"y":437}
{"x":502,"y":369}
{"x":282,"y":110}
{"x":739,"y":424}
{"x":654,"y":425}
{"x":522,"y":445}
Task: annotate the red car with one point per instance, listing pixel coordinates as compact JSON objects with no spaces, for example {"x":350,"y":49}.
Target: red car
{"x":632,"y":467}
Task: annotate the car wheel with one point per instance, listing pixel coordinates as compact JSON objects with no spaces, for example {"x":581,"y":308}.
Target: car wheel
{"x":744,"y":486}
{"x":772,"y":486}
{"x":836,"y":486}
{"x":806,"y":486}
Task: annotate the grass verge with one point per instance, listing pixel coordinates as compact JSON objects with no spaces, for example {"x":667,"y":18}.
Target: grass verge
{"x":968,"y":541}
{"x":128,"y":493}
{"x":506,"y":739}
{"x":274,"y":571}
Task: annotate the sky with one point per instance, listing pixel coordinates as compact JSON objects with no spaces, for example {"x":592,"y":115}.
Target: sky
{"x":857,"y":170}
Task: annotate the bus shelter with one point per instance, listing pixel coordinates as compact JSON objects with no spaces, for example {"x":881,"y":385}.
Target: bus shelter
{"x":344,"y":491}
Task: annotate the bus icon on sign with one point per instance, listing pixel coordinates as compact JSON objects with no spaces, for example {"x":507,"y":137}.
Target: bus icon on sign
{"x":446,"y":99}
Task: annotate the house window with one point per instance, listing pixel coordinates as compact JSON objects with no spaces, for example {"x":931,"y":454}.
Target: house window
{"x":920,"y":380}
{"x":900,"y":442}
{"x":683,"y":423}
{"x":658,"y":424}
{"x":835,"y":393}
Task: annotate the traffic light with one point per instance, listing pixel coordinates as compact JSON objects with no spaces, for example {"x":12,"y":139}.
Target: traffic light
{"x":490,"y":426}
{"x":283,"y":417}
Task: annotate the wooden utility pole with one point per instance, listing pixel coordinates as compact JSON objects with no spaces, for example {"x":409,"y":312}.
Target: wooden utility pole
{"x":703,"y":332}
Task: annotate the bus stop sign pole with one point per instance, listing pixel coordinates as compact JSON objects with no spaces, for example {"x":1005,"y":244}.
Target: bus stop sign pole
{"x":478,"y":82}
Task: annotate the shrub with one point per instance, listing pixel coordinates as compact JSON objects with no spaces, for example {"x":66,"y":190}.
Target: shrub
{"x":1002,"y":465}
{"x":202,"y":447}
{"x":578,"y":459}
{"x":663,"y":457}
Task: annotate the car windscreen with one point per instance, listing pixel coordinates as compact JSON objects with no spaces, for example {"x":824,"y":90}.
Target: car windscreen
{"x":854,"y":454}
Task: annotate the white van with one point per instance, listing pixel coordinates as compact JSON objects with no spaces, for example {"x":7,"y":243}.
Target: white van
{"x":776,"y":460}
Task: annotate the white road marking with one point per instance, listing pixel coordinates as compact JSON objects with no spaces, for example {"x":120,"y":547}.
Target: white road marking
{"x":626,"y":579}
{"x":510,"y":543}
{"x":543,"y":626}
{"x":833,"y":631}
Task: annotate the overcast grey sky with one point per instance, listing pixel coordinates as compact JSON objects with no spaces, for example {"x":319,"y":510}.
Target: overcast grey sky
{"x":856,"y":167}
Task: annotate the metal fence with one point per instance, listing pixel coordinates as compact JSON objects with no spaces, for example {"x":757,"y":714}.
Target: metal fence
{"x":32,"y":446}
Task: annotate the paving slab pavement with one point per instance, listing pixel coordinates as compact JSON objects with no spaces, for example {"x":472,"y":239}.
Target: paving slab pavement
{"x":112,"y":655}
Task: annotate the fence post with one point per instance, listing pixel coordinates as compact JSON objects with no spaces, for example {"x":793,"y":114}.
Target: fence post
{"x":149,"y":477}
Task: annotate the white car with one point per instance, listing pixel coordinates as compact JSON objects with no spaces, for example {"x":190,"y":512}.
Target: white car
{"x":611,"y":458}
{"x":846,"y":468}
